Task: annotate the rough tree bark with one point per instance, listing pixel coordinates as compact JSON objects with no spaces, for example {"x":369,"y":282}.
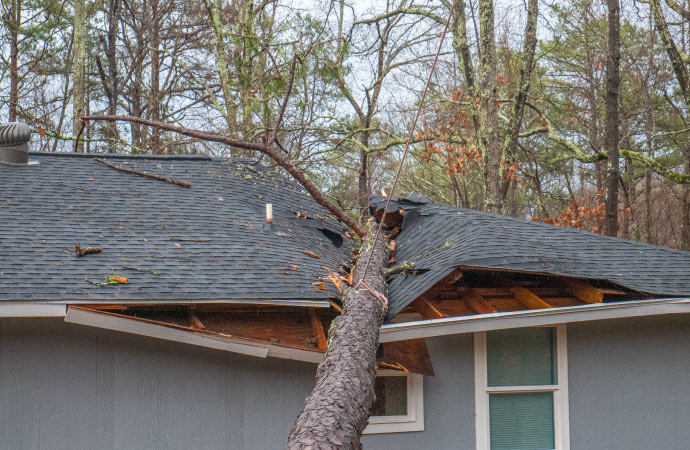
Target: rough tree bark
{"x":155,"y":74}
{"x":489,"y":103}
{"x":611,"y":138}
{"x":345,"y":379}
{"x":78,"y":88}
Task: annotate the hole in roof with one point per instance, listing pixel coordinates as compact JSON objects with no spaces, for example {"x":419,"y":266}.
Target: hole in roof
{"x":335,"y":238}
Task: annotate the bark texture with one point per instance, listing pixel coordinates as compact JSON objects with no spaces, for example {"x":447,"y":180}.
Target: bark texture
{"x":79,"y":64}
{"x":611,"y":138}
{"x":337,"y":410}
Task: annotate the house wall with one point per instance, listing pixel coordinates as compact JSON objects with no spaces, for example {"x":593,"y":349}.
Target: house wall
{"x":448,"y":402}
{"x":629,"y":385}
{"x":66,"y":386}
{"x":71,"y":387}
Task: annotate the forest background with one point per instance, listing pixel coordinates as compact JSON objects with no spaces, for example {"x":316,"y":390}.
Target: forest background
{"x":569,"y":112}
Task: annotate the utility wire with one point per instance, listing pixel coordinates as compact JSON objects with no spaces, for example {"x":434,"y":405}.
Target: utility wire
{"x":407,"y":148}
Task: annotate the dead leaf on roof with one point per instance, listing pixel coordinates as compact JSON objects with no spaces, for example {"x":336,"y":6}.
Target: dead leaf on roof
{"x":177,"y":245}
{"x":312,"y":254}
{"x":293,"y":267}
{"x":118,"y":279}
{"x":220,"y":199}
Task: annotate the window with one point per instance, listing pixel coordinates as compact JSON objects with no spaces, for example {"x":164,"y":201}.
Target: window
{"x":521,"y":389}
{"x":398,"y":403}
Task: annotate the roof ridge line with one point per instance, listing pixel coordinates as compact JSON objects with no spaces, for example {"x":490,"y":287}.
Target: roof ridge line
{"x":195,"y":157}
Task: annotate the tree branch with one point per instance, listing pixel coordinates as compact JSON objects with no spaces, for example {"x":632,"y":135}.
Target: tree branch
{"x":267,"y":150}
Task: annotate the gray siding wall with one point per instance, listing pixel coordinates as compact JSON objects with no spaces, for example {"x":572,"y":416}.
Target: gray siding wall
{"x":448,"y":402}
{"x":629,"y":384}
{"x":71,"y":387}
{"x":65,"y":386}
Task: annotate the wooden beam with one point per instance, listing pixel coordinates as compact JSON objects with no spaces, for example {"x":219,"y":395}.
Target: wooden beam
{"x":583,"y":291}
{"x":319,"y":333}
{"x":529,"y":298}
{"x":479,"y":305}
{"x":427,"y":309}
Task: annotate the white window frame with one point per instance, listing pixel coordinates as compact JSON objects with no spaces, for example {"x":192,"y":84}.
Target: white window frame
{"x":560,"y":391}
{"x":414,"y":419}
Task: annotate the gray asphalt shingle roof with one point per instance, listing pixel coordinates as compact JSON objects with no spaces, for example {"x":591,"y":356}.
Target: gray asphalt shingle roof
{"x":444,"y":237}
{"x":207,"y":242}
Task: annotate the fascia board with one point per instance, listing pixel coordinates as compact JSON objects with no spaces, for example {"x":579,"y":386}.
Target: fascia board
{"x":133,"y":326}
{"x":517,"y":319}
{"x":32,"y":310}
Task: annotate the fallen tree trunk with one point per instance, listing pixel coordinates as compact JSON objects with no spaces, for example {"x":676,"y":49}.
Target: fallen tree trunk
{"x":337,"y":410}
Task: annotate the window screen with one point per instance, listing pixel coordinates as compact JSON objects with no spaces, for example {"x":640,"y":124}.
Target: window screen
{"x":521,"y":357}
{"x":521,"y":421}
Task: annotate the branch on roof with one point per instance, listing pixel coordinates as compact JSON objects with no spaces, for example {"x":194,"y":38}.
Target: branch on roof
{"x":267,"y":150}
{"x":144,"y":174}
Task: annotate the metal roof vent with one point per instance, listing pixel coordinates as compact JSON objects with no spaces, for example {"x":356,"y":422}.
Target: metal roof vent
{"x":14,"y":143}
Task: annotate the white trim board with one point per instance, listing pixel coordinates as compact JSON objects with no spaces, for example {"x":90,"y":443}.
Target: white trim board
{"x":531,"y":318}
{"x":32,"y":310}
{"x":235,"y":345}
{"x":179,"y":301}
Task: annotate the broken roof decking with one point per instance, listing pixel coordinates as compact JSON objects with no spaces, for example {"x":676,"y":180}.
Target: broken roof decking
{"x":438,"y":238}
{"x":204,"y":243}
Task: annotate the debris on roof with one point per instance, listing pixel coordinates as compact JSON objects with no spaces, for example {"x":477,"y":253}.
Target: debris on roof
{"x":205,"y":243}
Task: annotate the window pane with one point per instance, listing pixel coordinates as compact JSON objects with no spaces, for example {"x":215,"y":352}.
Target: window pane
{"x":521,"y":357}
{"x":391,"y":396}
{"x":521,"y":421}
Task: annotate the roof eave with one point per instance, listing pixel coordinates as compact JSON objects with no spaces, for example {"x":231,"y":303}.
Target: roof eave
{"x":517,"y":319}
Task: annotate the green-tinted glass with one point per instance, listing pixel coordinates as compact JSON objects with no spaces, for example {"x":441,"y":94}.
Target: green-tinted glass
{"x":390,"y":396}
{"x":521,"y":357}
{"x":521,"y":421}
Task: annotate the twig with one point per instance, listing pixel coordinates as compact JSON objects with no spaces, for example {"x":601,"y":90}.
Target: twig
{"x":400,"y":268}
{"x":144,"y":174}
{"x":86,"y":250}
{"x":139,"y":269}
{"x":189,"y":240}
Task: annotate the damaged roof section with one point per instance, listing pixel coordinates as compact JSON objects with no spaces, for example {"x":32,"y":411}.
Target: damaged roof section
{"x":205,"y":243}
{"x":437,"y":239}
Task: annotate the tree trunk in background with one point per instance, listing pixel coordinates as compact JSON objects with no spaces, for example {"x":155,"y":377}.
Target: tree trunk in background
{"x":529,"y":47}
{"x":337,"y":410}
{"x":155,"y":76}
{"x":649,"y":140}
{"x":79,"y":65}
{"x":13,"y":22}
{"x":110,"y":49}
{"x":489,"y":98}
{"x":611,"y":138}
{"x":685,"y":221}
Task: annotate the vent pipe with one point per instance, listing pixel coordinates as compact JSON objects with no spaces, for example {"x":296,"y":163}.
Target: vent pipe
{"x":14,"y":143}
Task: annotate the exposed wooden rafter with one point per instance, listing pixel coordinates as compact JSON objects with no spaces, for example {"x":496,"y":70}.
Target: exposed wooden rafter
{"x":583,"y":291}
{"x":529,"y":298}
{"x":478,"y":304}
{"x":427,"y":309}
{"x":319,"y":332}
